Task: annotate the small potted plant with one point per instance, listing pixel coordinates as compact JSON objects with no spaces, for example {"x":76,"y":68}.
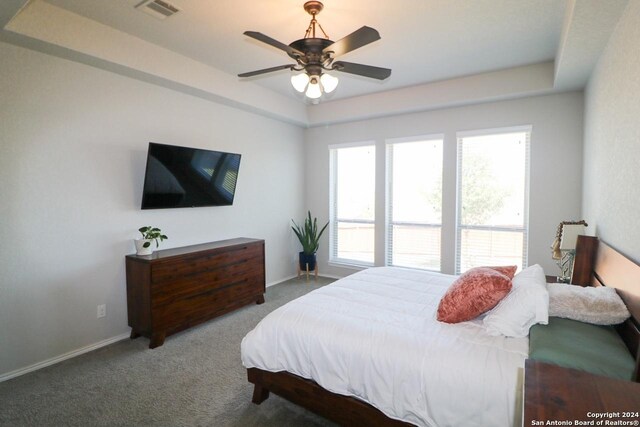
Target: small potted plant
{"x":310,"y":240}
{"x":149,"y":234}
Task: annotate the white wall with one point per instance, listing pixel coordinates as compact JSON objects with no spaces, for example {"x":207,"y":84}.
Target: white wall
{"x":555,"y":178}
{"x":72,"y":157}
{"x":611,"y":192}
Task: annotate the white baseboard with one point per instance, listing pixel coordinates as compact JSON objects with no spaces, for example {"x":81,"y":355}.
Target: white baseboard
{"x":86,"y":349}
{"x":281,"y":280}
{"x":65,"y":356}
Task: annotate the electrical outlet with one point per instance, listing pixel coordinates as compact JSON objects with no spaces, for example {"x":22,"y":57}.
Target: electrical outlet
{"x":102,"y":310}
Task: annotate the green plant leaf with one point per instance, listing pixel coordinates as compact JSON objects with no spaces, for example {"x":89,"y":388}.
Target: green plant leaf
{"x":308,"y":234}
{"x":152,"y":233}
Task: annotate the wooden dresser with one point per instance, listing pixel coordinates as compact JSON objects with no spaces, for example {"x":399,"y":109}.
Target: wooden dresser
{"x":174,"y":289}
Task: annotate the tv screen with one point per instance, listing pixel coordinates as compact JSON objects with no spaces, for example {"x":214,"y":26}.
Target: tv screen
{"x":181,"y":177}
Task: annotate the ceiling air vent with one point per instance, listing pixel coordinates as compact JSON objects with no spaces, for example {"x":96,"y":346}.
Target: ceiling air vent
{"x":158,"y":8}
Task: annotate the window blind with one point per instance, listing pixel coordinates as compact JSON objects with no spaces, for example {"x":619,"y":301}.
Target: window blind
{"x":492,"y":198}
{"x":352,"y":204}
{"x":413,"y":212}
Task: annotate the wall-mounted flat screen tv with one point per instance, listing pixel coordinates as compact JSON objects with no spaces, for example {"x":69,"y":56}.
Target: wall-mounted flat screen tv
{"x":181,"y":177}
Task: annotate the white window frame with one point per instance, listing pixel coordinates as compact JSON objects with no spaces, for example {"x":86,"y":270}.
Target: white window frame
{"x":525,"y":229}
{"x":388,"y":222}
{"x":333,"y":207}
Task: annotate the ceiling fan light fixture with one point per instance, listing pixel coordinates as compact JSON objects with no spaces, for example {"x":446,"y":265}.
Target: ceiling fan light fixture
{"x":300,"y":81}
{"x":329,"y":82}
{"x":314,"y":91}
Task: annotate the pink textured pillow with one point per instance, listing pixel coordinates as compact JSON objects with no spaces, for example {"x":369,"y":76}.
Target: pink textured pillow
{"x":475,"y":292}
{"x":507,"y":270}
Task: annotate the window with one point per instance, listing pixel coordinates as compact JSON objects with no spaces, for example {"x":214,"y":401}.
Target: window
{"x":353,"y":179}
{"x":493,"y":198}
{"x":414,"y":203}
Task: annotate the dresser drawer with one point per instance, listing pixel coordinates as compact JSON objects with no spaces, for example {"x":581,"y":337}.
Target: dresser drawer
{"x":197,"y":283}
{"x":192,"y":309}
{"x":169,"y":271}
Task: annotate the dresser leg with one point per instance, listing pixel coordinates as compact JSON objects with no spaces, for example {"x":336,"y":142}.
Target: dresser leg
{"x":260,"y":300}
{"x":157,"y":340}
{"x":134,"y":334}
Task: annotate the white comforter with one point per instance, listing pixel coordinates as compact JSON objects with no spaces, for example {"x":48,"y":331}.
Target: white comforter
{"x":373,"y":335}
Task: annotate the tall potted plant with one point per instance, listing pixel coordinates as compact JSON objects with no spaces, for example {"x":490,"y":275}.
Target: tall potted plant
{"x":309,"y":239}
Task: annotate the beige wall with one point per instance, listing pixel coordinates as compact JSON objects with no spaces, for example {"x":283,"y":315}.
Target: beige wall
{"x":555,"y":177}
{"x":611,"y":193}
{"x":72,"y":156}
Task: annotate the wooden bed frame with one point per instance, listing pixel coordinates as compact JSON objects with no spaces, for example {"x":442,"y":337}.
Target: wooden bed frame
{"x":596,"y":264}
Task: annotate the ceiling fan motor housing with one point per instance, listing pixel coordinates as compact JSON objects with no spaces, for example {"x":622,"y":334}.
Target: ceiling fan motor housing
{"x":314,"y":60}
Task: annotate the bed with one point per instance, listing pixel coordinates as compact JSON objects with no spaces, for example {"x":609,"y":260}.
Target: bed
{"x":374,"y":336}
{"x":367,"y":350}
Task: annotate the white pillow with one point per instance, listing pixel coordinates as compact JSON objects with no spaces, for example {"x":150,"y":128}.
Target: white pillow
{"x":600,"y":305}
{"x":525,"y":305}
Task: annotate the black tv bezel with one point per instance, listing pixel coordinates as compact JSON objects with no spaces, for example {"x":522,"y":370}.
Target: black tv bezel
{"x":146,"y":171}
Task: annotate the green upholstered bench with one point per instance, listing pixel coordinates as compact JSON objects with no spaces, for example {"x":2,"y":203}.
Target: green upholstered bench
{"x":572,"y":344}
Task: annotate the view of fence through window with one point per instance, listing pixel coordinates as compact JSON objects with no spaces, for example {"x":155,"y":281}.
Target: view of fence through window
{"x":352,"y":234}
{"x":492,"y":199}
{"x":414,"y":198}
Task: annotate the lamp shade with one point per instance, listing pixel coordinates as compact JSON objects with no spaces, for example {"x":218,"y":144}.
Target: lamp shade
{"x":570,"y":233}
{"x":300,"y":82}
{"x":329,"y":82}
{"x":314,"y":91}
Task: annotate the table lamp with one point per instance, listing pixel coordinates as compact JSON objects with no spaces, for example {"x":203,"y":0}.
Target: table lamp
{"x":568,"y":239}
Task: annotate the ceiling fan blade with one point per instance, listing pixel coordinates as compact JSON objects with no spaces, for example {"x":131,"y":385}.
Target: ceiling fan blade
{"x":266,"y":70}
{"x":273,"y":42}
{"x":362,"y":70}
{"x":353,"y":41}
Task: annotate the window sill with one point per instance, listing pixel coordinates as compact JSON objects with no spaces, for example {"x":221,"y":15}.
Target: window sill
{"x":350,"y":265}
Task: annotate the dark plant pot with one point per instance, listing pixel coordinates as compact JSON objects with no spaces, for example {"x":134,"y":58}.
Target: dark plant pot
{"x":307,"y":259}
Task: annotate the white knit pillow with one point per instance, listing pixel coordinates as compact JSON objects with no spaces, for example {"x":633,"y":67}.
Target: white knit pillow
{"x":598,"y":305}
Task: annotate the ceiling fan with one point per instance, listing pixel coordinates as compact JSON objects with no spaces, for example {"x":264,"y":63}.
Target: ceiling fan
{"x":316,"y":55}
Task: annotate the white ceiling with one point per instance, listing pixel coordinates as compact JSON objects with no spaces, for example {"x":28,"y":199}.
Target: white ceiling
{"x":443,"y":53}
{"x":422,"y":41}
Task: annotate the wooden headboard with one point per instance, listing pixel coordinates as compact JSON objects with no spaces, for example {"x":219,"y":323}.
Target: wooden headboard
{"x":598,"y":264}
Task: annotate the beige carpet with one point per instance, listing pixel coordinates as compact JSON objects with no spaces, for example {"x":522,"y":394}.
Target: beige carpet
{"x":195,"y":379}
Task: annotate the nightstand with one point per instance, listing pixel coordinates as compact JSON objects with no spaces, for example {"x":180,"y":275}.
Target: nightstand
{"x":553,"y":393}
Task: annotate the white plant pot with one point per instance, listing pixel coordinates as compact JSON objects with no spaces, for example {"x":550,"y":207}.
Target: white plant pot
{"x":140,"y":249}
